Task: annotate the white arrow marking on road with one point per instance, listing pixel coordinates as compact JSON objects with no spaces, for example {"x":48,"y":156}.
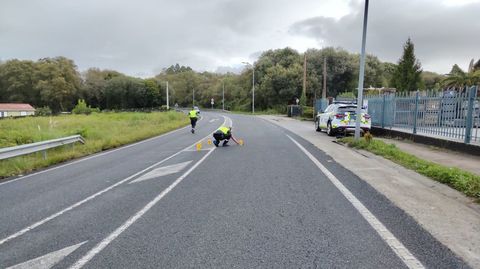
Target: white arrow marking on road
{"x":105,"y":242}
{"x":48,"y":260}
{"x":212,"y":120}
{"x":95,"y":195}
{"x":162,"y":171}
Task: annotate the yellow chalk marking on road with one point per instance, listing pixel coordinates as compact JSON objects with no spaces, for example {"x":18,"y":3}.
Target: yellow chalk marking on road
{"x":209,"y":141}
{"x":240,"y":142}
{"x":199,"y":146}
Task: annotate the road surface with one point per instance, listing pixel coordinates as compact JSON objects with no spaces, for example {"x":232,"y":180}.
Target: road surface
{"x":276,"y":202}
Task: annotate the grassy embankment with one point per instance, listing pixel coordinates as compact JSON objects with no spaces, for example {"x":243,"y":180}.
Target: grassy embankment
{"x":461,"y":180}
{"x":101,"y":131}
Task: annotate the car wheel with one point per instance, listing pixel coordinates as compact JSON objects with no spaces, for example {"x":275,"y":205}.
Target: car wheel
{"x":317,"y":126}
{"x":330,"y":131}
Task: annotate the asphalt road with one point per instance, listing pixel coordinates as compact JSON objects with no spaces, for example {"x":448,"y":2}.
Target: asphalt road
{"x":276,"y":202}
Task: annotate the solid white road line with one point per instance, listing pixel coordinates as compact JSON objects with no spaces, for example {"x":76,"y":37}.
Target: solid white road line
{"x":59,"y":213}
{"x":162,"y":171}
{"x":398,"y":248}
{"x":49,"y":260}
{"x":104,"y":243}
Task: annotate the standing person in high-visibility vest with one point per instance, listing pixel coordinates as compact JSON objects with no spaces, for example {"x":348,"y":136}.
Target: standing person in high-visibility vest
{"x":223,"y":133}
{"x":193,"y":115}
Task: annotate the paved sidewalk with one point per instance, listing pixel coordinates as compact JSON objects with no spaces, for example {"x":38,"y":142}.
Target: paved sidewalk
{"x":451,"y":217}
{"x":445,"y":157}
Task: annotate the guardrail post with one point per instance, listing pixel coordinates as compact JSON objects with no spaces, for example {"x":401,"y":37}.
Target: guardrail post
{"x":383,"y":111}
{"x":468,"y":126}
{"x":44,"y":153}
{"x":415,"y":114}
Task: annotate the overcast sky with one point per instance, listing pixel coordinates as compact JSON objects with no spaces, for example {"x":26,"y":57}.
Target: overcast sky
{"x":141,"y":37}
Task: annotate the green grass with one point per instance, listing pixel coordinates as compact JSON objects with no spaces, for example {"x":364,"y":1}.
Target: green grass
{"x":101,"y":131}
{"x":461,"y":180}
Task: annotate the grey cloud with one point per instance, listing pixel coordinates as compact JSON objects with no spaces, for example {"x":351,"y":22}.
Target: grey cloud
{"x":443,"y":35}
{"x":131,"y":36}
{"x":142,"y":37}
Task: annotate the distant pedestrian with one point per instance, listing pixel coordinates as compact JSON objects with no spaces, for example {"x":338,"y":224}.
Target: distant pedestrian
{"x":223,"y":134}
{"x":193,"y":115}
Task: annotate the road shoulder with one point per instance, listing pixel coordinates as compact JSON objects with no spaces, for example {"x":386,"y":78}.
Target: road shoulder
{"x":448,"y":215}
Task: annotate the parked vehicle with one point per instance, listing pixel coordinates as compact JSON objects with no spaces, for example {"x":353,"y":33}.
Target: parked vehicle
{"x":340,"y":118}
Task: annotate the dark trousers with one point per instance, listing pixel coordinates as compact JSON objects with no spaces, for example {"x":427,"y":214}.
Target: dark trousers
{"x":219,"y":136}
{"x":193,"y":122}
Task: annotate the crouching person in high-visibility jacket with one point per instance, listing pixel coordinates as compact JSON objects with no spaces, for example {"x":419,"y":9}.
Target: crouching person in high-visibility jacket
{"x":223,"y":134}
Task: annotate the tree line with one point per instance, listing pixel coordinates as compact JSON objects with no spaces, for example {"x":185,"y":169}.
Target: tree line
{"x":56,"y":82}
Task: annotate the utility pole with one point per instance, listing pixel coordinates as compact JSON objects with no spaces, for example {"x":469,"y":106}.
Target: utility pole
{"x":324,"y":91}
{"x":361,"y":74}
{"x":168,"y":102}
{"x":304,"y":75}
{"x":253,"y":84}
{"x":253,"y":88}
{"x":223,"y":96}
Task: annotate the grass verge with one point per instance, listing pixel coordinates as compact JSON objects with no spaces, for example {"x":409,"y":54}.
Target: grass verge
{"x":101,"y":131}
{"x":461,"y":180}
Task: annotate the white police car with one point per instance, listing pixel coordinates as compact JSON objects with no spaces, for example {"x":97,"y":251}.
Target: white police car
{"x":340,"y":118}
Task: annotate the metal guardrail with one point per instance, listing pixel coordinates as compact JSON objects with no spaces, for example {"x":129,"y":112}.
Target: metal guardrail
{"x":10,"y":152}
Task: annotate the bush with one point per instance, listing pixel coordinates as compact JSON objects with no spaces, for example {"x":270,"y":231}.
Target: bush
{"x":347,"y":95}
{"x":307,"y":111}
{"x":43,"y":111}
{"x":82,"y":108}
{"x":461,"y":180}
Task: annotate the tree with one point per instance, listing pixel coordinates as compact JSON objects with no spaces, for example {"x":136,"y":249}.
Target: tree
{"x":459,"y":79}
{"x":341,"y":69}
{"x":17,"y":82}
{"x":58,"y":82}
{"x":407,"y":76}
{"x":432,"y":80}
{"x":476,"y":66}
{"x":94,"y":85}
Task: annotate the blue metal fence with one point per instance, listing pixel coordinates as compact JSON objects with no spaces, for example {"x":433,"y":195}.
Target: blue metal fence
{"x":449,"y":115}
{"x":320,"y":105}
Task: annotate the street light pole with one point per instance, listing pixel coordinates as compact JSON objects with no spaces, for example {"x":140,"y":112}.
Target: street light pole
{"x":223,"y":96}
{"x":361,"y":75}
{"x":168,"y":101}
{"x":193,"y":97}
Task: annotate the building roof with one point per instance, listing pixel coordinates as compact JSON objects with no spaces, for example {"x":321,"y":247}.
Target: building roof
{"x":15,"y":107}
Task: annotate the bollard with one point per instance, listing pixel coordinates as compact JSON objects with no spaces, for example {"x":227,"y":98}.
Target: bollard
{"x":415,"y":113}
{"x":209,"y":141}
{"x":240,"y":141}
{"x":199,"y":146}
{"x":472,"y":92}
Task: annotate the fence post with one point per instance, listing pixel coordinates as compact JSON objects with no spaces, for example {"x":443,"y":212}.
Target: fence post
{"x":383,"y":111}
{"x":468,"y":126}
{"x":415,"y":114}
